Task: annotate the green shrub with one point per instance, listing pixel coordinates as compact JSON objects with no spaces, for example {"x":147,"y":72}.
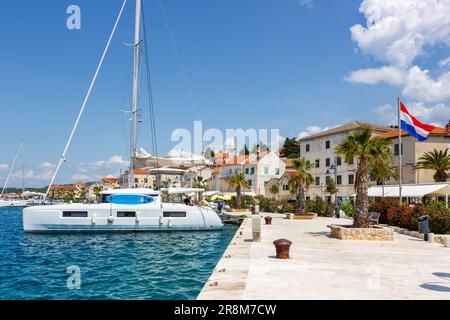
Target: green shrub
{"x":321,"y":207}
{"x":267,"y":204}
{"x":246,"y":202}
{"x":348,"y":208}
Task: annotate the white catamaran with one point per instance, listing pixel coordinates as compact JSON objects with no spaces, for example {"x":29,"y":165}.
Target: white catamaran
{"x":120,"y":209}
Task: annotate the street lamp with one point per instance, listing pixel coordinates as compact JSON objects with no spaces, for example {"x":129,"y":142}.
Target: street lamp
{"x":336,"y":204}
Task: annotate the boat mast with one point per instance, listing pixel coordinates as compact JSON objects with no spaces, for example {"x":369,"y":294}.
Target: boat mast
{"x":12,"y":167}
{"x":134,"y":107}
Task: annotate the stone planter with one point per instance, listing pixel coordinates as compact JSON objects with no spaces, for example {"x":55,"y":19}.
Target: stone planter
{"x":268,"y":220}
{"x":302,"y":216}
{"x":240,"y":210}
{"x":349,"y":233}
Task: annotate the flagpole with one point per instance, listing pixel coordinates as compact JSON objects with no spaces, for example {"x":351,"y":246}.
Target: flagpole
{"x":399,"y":153}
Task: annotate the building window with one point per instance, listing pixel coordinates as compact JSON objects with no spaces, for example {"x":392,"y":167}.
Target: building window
{"x":396,"y":149}
{"x":338,"y":179}
{"x":75,"y":214}
{"x":351,"y":179}
{"x":136,"y":180}
{"x":317,"y":163}
{"x":174,"y":214}
{"x":317,"y":181}
{"x":327,"y":162}
{"x":249,"y":182}
{"x":246,"y":171}
{"x":277,"y":171}
{"x":307,"y":147}
{"x":126,"y":214}
{"x":327,"y":144}
{"x":339,"y":161}
{"x":266,"y":170}
{"x":252,"y":170}
{"x":285,"y":187}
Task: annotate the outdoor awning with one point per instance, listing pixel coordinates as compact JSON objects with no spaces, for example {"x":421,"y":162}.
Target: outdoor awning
{"x":410,"y":190}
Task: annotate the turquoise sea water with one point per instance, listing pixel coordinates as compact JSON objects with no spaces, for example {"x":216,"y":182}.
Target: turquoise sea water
{"x":112,"y":266}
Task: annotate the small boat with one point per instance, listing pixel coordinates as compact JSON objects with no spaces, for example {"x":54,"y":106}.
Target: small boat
{"x":121,"y":210}
{"x":15,"y":203}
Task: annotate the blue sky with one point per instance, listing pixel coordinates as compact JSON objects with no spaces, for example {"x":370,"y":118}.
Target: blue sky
{"x":283,"y":64}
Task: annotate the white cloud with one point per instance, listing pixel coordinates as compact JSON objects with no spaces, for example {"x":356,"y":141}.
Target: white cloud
{"x":43,"y":175}
{"x":4,"y":166}
{"x":389,"y":74}
{"x":385,"y":114}
{"x":114,"y":161}
{"x":444,"y":62}
{"x":420,"y":86}
{"x":399,"y":31}
{"x":80,"y":177}
{"x":306,"y":3}
{"x":47,"y":165}
{"x":310,"y":130}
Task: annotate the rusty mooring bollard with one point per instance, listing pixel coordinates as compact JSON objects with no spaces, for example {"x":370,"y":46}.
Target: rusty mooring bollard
{"x":268,"y":220}
{"x":282,"y":246}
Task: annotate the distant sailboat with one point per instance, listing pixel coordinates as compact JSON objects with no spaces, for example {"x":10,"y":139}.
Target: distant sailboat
{"x":11,"y":202}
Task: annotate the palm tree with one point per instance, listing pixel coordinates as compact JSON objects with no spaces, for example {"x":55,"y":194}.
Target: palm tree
{"x":439,"y":161}
{"x":368,"y":150}
{"x":274,"y":189}
{"x":382,"y":171}
{"x":200,"y":183}
{"x":300,"y":181}
{"x":238,"y":182}
{"x":167,"y":183}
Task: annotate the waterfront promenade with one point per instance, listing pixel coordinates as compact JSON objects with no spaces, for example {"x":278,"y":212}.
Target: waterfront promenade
{"x":326,"y":268}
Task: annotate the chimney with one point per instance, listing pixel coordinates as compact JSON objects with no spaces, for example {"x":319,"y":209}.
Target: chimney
{"x":447,"y":128}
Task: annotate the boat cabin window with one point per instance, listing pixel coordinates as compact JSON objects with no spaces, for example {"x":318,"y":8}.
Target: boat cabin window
{"x":174,"y":214}
{"x":75,"y":214}
{"x":126,"y":214}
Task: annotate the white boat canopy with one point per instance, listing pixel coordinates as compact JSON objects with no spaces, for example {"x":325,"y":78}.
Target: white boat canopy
{"x":410,"y":190}
{"x":144,"y":159}
{"x":181,"y":190}
{"x":141,"y":191}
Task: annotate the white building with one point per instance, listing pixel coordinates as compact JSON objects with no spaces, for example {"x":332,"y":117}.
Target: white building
{"x":258,"y":169}
{"x":319,"y":149}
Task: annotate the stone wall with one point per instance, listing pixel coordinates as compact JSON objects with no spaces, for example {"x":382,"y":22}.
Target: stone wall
{"x":377,"y":234}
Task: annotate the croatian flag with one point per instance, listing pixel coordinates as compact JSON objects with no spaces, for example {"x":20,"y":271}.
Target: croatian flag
{"x":413,"y":126}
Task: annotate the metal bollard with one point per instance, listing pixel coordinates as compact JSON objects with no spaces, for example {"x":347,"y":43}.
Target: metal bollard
{"x":268,"y":220}
{"x":431,"y":237}
{"x":256,"y":228}
{"x":447,"y":241}
{"x":282,"y":247}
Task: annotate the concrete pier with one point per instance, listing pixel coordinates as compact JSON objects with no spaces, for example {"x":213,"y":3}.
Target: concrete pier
{"x":321,"y":267}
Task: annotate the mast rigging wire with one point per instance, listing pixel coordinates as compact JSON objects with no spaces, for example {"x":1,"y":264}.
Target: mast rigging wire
{"x":86,"y":98}
{"x":149,"y":89}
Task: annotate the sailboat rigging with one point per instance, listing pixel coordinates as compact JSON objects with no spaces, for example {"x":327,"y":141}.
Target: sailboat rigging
{"x":128,"y":209}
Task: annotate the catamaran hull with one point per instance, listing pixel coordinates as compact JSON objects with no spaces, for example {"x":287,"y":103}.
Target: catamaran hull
{"x":110,"y":218}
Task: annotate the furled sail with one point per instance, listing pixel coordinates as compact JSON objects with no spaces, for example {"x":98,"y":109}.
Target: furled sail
{"x":143,"y":159}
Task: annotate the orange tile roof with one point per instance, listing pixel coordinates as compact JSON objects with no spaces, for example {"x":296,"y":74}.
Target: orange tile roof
{"x":394,"y":132}
{"x":111,"y":180}
{"x":140,"y":171}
